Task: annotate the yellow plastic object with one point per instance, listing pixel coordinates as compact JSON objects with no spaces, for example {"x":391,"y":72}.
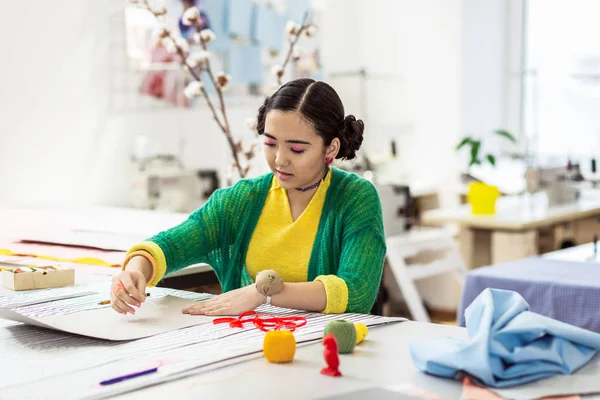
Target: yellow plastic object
{"x":482,"y":198}
{"x":361,"y":332}
{"x":81,"y":260}
{"x":279,"y":346}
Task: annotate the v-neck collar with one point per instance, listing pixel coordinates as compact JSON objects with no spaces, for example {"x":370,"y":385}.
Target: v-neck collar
{"x":322,"y":187}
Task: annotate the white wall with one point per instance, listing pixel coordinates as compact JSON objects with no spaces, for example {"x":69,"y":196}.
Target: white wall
{"x":411,"y":51}
{"x":53,"y":98}
{"x":60,"y":141}
{"x":484,"y":65}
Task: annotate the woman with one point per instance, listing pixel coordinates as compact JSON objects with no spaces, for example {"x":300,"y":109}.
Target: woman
{"x":318,"y":227}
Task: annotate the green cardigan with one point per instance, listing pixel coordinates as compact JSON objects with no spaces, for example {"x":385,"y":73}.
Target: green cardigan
{"x":350,"y":241}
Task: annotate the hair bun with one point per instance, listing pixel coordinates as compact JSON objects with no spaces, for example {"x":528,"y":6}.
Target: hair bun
{"x":351,"y":137}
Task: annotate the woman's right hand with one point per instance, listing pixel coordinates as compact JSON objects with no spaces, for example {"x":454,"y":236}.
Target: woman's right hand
{"x":128,"y":289}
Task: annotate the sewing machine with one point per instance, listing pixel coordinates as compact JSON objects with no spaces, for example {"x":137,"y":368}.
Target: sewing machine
{"x":161,"y":183}
{"x":589,"y":172}
{"x":559,"y":182}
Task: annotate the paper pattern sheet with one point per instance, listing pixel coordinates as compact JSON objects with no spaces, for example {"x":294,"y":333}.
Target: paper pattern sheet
{"x":156,"y":316}
{"x":70,"y":366}
{"x":11,"y":299}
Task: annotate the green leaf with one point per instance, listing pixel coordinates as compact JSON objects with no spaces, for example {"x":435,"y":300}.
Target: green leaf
{"x":475,"y":146}
{"x":466,"y":140}
{"x":491,"y":159}
{"x":505,"y":134}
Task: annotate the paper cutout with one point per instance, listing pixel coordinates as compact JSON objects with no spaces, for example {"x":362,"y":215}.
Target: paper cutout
{"x":153,"y":318}
{"x":83,"y":255}
{"x":473,"y":392}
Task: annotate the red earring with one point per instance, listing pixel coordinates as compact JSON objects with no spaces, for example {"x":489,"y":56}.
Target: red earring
{"x":328,"y":160}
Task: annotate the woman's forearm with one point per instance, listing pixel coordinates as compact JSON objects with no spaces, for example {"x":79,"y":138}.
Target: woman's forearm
{"x":141,"y":264}
{"x":309,"y":296}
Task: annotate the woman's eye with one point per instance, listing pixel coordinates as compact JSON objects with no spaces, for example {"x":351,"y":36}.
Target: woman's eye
{"x":270,"y":144}
{"x":298,"y":151}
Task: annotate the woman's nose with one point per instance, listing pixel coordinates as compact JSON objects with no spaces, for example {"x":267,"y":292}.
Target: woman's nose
{"x":281,"y":158}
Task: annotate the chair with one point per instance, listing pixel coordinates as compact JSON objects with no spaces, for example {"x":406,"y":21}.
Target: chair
{"x":409,"y":244}
{"x":379,"y":301}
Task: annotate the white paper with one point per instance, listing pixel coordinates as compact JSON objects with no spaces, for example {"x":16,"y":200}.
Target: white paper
{"x":70,"y":366}
{"x":11,"y":299}
{"x":110,"y":241}
{"x":180,"y":353}
{"x":154,"y":317}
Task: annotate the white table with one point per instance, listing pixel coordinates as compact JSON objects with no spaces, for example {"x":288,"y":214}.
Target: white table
{"x":107,"y":228}
{"x":523,"y":226}
{"x":382,"y":360}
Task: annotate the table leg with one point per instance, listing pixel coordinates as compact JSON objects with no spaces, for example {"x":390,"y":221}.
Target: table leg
{"x":475,"y":247}
{"x":512,"y":246}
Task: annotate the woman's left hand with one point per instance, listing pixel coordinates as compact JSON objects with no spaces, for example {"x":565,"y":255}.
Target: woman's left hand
{"x":234,"y":302}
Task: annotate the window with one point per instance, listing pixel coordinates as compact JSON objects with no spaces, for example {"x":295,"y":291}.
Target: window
{"x":561,"y":78}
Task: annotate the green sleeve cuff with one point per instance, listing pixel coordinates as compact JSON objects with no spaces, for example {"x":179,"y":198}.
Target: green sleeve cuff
{"x":337,"y":294}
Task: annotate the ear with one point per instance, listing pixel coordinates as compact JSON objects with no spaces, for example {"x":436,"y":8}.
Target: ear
{"x":333,"y":149}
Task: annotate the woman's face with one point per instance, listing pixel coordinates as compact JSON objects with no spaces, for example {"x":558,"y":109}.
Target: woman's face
{"x":294,"y":151}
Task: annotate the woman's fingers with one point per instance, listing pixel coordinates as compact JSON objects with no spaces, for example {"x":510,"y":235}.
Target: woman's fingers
{"x":121,"y":307}
{"x":225,"y":310}
{"x":208,"y":309}
{"x":141,"y":285}
{"x":200,"y":305}
{"x":195,"y":309}
{"x":131,"y":288}
{"x":126,"y":298}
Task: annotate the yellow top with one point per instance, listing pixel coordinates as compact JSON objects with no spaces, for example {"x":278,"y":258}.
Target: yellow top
{"x":285,"y":245}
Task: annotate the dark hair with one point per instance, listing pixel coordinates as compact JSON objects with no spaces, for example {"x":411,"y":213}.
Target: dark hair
{"x":320,"y":105}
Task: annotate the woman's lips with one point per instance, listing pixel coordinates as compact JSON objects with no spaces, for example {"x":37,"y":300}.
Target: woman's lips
{"x":283,"y":175}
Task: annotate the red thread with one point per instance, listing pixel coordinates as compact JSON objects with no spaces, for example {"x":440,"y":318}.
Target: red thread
{"x":263,"y":322}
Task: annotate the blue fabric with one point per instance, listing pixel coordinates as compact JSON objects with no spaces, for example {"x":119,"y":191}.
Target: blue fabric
{"x":563,"y":290}
{"x":508,"y":345}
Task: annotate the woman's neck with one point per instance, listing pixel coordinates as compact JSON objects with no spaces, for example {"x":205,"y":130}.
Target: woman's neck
{"x":299,"y":199}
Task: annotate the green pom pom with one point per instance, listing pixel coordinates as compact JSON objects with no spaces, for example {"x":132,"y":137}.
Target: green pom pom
{"x":345,"y":335}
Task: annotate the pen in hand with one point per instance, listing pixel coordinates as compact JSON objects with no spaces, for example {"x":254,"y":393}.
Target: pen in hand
{"x":105,"y":302}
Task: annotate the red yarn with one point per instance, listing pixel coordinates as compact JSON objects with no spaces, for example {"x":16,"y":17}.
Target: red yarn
{"x":263,"y":322}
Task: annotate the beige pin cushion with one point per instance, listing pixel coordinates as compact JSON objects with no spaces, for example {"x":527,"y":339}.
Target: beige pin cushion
{"x":268,"y":282}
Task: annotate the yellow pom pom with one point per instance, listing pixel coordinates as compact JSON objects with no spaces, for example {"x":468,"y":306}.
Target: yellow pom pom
{"x":361,"y":332}
{"x":279,"y":346}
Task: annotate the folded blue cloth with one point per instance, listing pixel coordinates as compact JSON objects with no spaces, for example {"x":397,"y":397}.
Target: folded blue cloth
{"x":508,"y":344}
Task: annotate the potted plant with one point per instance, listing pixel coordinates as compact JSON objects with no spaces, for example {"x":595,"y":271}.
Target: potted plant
{"x":481,"y":196}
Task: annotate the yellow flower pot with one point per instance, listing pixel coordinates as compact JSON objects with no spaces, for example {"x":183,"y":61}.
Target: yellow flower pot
{"x":482,"y":198}
{"x":279,"y":346}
